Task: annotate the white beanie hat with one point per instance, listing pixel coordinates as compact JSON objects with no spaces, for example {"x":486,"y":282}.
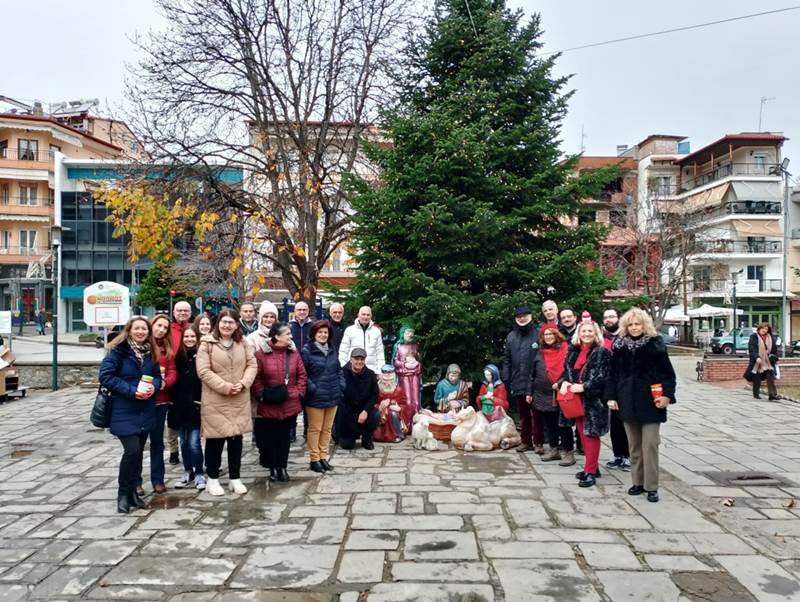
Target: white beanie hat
{"x":267,"y":307}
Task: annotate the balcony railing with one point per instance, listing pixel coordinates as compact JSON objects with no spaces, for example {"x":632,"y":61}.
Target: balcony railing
{"x":737,"y":246}
{"x":23,"y":201}
{"x":13,"y":154}
{"x":743,"y":286}
{"x":731,"y":169}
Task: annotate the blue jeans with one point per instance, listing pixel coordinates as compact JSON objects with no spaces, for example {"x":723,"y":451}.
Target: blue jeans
{"x":157,"y":446}
{"x":191,"y":451}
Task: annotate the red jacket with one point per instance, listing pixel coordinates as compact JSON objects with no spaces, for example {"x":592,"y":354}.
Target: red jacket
{"x":169,"y":374}
{"x":176,"y":330}
{"x":272,"y":372}
{"x":499,"y":398}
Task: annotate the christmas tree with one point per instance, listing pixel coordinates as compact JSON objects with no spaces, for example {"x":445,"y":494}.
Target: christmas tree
{"x":475,"y":212}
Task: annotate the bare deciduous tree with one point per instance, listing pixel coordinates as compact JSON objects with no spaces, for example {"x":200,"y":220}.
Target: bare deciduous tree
{"x":286,"y":90}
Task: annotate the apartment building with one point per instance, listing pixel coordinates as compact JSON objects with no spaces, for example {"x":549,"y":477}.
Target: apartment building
{"x":726,"y":202}
{"x":30,"y":142}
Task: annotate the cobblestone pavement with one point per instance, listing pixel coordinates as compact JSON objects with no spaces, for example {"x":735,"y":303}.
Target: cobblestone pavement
{"x":401,"y":524}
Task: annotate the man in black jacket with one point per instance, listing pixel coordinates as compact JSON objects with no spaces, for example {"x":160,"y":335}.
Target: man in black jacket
{"x":357,"y":415}
{"x":521,"y":344}
{"x":336,"y":312}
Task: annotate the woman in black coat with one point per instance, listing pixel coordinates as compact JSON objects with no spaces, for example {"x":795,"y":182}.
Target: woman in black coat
{"x":184,"y":413}
{"x":763,"y":350}
{"x":324,"y":393}
{"x":586,"y":373}
{"x":641,"y":386}
{"x":131,"y":362}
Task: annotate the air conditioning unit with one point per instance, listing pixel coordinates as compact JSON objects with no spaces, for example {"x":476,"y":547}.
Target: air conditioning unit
{"x":738,"y":207}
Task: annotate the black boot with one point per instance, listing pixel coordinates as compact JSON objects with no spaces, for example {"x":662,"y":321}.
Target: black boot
{"x":316,"y":466}
{"x":123,"y":503}
{"x":135,"y":501}
{"x":273,"y":474}
{"x":283,"y":476}
{"x":366,"y":443}
{"x":293,"y":434}
{"x":326,"y":465}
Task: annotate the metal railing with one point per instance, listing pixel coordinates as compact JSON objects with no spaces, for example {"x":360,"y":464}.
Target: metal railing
{"x":22,"y":201}
{"x":743,"y":286}
{"x":731,"y":169}
{"x":737,"y":246}
{"x":17,"y":250}
{"x":15,"y":154}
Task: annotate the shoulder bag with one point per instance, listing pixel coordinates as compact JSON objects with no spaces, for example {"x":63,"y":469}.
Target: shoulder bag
{"x":101,"y":410}
{"x":277,"y":394}
{"x":570,"y":403}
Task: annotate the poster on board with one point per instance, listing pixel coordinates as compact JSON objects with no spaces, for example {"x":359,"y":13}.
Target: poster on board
{"x":106,"y":304}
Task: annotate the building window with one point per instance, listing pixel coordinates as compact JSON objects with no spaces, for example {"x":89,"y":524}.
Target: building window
{"x":28,"y":149}
{"x":5,"y":240}
{"x":54,"y":148}
{"x":27,"y":195}
{"x":702,"y":278}
{"x":663,"y":185}
{"x":4,"y":194}
{"x":760,"y":164}
{"x":27,"y":241}
{"x":3,"y":149}
{"x":755,"y":272}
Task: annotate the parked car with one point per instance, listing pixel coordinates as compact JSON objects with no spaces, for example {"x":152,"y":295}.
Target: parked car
{"x":724,"y":344}
{"x":795,"y":349}
{"x":99,"y":342}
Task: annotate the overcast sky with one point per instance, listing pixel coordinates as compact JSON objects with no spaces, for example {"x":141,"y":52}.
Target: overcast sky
{"x":701,"y":84}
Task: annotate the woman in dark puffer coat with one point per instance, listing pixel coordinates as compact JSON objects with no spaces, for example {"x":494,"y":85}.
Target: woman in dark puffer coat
{"x":133,"y":354}
{"x":325,"y":386}
{"x":641,"y":386}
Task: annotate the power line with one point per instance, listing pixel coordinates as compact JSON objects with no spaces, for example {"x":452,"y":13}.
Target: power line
{"x":676,"y":29}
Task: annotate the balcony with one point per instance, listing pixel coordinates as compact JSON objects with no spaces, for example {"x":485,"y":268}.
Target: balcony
{"x":24,"y":206}
{"x":737,"y":246}
{"x":731,"y":169}
{"x":25,"y":158}
{"x":16,"y":254}
{"x":744,"y":287}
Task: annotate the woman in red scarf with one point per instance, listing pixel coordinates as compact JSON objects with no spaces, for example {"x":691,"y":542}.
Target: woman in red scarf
{"x":587,"y":369}
{"x":546,"y":373}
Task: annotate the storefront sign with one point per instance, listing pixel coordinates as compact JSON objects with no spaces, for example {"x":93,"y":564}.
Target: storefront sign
{"x":106,"y":304}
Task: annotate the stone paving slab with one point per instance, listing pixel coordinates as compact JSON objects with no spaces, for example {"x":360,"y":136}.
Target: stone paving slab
{"x":396,"y":523}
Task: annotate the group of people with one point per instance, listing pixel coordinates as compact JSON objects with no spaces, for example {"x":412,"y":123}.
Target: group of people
{"x":219,"y":380}
{"x":250,"y":372}
{"x":619,"y":375}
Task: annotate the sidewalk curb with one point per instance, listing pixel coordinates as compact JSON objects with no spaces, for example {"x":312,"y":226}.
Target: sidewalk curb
{"x":50,"y":342}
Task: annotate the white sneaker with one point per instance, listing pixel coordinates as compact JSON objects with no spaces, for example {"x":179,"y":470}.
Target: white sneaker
{"x":200,"y":482}
{"x":238,"y":487}
{"x":184,"y":482}
{"x":214,"y":488}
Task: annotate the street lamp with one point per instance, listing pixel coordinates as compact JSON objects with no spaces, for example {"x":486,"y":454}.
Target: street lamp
{"x":733,"y":320}
{"x":782,"y":167}
{"x":55,"y":238}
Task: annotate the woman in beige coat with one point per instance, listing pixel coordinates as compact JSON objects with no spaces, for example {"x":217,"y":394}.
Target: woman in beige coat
{"x":227,"y":367}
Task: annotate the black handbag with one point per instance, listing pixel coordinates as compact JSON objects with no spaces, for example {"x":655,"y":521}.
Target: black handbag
{"x":277,"y":394}
{"x":101,"y":410}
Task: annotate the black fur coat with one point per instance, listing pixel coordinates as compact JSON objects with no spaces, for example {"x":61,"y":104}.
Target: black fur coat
{"x":595,"y":376}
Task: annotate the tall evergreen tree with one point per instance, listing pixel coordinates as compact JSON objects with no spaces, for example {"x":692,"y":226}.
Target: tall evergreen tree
{"x":475,"y":213}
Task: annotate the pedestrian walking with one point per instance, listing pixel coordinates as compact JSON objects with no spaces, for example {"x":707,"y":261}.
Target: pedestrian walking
{"x":619,"y":440}
{"x":641,"y":386}
{"x":184,"y":413}
{"x":763,"y":351}
{"x":166,"y":358}
{"x":278,"y":387}
{"x":520,"y":347}
{"x":546,"y":374}
{"x":227,"y":367}
{"x":41,"y":321}
{"x":325,"y":388}
{"x":131,"y":373}
{"x":587,"y":365}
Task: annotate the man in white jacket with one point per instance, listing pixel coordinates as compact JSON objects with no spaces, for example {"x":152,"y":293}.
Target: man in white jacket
{"x":365,"y":335}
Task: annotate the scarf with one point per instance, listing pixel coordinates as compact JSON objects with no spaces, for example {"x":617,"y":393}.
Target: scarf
{"x":630,"y":343}
{"x":140,"y":351}
{"x":764,"y":351}
{"x":583,"y":357}
{"x":322,"y":347}
{"x":554,"y":361}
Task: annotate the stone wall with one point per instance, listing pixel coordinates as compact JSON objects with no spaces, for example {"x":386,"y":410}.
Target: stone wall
{"x":721,"y":368}
{"x":39,"y":375}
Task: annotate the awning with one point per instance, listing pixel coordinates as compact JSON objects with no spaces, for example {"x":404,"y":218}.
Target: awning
{"x":707,"y":198}
{"x":23,"y":218}
{"x":765,"y":227}
{"x":757,"y":191}
{"x":53,"y":130}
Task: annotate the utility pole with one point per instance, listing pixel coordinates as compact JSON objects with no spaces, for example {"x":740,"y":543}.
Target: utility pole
{"x":734,"y":278}
{"x":785,"y":336}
